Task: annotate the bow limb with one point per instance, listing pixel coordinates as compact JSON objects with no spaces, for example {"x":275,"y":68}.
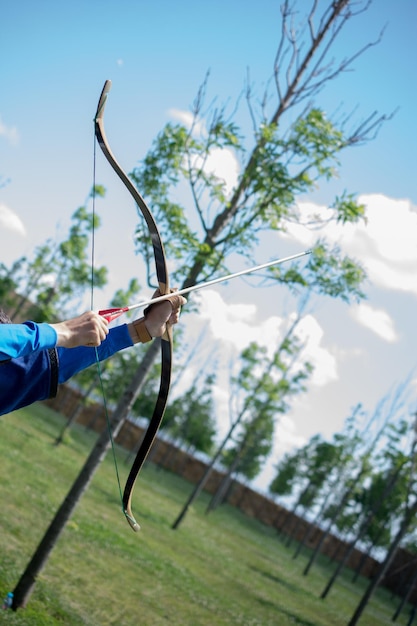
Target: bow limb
{"x":163,"y":281}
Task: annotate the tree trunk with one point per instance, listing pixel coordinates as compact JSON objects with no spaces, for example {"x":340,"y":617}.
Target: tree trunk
{"x":221,"y":492}
{"x":408,"y":517}
{"x":409,"y":588}
{"x":201,"y":484}
{"x":365,"y":524}
{"x":75,"y":413}
{"x":311,"y":528}
{"x":24,"y":587}
{"x":286,"y":100}
{"x":365,"y":556}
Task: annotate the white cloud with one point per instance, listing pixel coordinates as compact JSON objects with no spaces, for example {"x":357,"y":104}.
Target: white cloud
{"x":235,"y":326}
{"x":376,"y":320}
{"x":187,"y":118}
{"x":229,"y":328}
{"x":9,"y":132}
{"x":325,"y":365}
{"x":221,"y":162}
{"x":10,"y":221}
{"x":303,"y":230}
{"x":392,"y":225}
{"x":386,"y":244}
{"x":286,"y":440}
{"x":286,"y":437}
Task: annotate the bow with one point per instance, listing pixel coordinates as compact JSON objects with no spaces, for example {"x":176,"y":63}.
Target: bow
{"x":166,"y":340}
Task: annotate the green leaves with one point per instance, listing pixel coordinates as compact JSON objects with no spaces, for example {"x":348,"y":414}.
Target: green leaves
{"x":286,"y":164}
{"x":156,"y":179}
{"x":265,"y":383}
{"x":327,"y":273}
{"x":348,"y":210}
{"x":190,"y":416}
{"x":333,"y":275}
{"x":317,"y":141}
{"x":52,"y":281}
{"x":202,"y":222}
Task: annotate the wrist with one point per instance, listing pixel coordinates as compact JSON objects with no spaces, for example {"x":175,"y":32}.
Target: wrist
{"x":62,"y":334}
{"x":139,"y":332}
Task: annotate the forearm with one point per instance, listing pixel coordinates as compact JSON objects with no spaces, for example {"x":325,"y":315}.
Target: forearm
{"x":74,"y":360}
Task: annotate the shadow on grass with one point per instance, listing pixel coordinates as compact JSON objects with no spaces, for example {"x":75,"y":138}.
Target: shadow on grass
{"x":276,"y":579}
{"x":293,"y":617}
{"x":281,"y":581}
{"x":296,"y":619}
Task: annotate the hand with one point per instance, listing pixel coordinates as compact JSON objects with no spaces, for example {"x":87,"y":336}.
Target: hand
{"x":88,"y":329}
{"x":157,"y":316}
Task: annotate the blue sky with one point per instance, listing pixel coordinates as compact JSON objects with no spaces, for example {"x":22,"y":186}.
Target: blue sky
{"x":55,"y":57}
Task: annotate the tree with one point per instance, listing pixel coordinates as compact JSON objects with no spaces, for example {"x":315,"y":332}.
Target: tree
{"x":302,"y":474}
{"x":340,"y":514}
{"x":322,"y":459}
{"x":26,"y":583}
{"x":407,"y":519}
{"x":347,"y":444}
{"x":9,"y":284}
{"x":288,"y":471}
{"x":190,"y":417}
{"x":266,"y":385}
{"x":266,"y":382}
{"x":385,"y":506}
{"x":49,"y":287}
{"x":378,"y":496}
{"x":89,"y":379}
{"x":294,"y":145}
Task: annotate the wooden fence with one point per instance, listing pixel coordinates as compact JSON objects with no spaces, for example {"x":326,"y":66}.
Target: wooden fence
{"x":164,"y":454}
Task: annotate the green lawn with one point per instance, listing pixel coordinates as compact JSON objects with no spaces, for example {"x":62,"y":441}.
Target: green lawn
{"x":214,"y":570}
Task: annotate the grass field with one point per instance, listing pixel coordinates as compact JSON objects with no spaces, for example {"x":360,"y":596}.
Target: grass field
{"x":214,"y":570}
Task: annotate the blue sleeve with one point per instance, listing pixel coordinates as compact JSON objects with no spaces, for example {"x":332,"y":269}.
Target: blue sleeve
{"x":73,"y":360}
{"x":17,"y":340}
{"x":27,"y":379}
{"x":33,"y":377}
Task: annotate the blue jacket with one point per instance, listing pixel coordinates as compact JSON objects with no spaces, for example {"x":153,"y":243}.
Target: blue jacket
{"x":31,"y":367}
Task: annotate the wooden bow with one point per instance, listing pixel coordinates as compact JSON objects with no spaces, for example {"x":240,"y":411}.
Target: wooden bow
{"x":166,"y":340}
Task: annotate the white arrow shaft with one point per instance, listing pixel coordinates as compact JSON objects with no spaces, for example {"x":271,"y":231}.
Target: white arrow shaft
{"x":215,"y":281}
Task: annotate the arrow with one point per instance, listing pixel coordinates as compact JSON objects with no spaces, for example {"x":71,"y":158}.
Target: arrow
{"x":112,"y":314}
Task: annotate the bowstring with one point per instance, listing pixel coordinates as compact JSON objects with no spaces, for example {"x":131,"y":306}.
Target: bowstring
{"x":99,"y":369}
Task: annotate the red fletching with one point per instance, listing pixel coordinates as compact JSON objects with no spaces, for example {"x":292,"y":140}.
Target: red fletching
{"x":113,"y":314}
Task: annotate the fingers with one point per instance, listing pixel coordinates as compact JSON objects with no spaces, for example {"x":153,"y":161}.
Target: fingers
{"x":158,"y":315}
{"x":98,"y":329}
{"x":91,"y":328}
{"x":171,"y":316}
{"x":88,"y":329}
{"x":176,"y":302}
